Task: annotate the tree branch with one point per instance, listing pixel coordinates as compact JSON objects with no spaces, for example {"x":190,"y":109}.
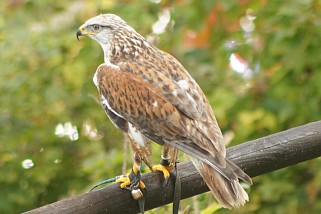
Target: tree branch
{"x":254,"y":157}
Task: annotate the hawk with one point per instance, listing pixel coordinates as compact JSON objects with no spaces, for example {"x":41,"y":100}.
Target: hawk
{"x":150,"y":96}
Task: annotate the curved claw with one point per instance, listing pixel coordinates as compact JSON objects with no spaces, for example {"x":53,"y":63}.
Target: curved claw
{"x":131,"y":182}
{"x":124,"y":180}
{"x":165,"y":170}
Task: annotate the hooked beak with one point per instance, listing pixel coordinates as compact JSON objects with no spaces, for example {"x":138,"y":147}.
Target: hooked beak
{"x":81,"y":31}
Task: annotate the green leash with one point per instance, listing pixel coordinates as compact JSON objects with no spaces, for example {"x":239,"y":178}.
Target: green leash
{"x":110,"y":180}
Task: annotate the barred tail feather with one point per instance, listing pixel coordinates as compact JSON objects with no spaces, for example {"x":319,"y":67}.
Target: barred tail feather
{"x":229,"y":193}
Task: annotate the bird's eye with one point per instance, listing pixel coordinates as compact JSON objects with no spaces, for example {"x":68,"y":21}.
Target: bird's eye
{"x":96,"y":27}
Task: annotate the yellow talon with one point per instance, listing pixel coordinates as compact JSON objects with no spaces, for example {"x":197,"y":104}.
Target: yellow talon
{"x":164,"y":169}
{"x":141,"y":185}
{"x":125,"y":181}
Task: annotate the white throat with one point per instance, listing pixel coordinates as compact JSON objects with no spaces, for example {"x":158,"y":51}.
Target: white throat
{"x":106,"y":48}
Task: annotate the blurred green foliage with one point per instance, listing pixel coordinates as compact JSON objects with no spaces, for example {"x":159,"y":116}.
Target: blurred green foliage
{"x":46,"y":79}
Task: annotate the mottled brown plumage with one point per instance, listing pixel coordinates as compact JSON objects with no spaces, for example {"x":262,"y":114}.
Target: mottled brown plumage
{"x":148,"y":94}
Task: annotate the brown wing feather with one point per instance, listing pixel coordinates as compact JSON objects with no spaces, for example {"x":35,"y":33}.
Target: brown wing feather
{"x":141,"y":104}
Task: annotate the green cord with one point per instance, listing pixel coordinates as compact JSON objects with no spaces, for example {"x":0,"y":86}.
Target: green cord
{"x":110,"y":180}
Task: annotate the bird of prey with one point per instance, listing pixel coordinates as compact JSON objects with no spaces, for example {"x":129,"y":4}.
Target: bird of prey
{"x":150,"y":96}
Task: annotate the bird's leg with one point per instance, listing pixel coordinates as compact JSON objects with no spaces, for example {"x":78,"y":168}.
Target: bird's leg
{"x":133,"y":183}
{"x":133,"y":179}
{"x":169,"y":156}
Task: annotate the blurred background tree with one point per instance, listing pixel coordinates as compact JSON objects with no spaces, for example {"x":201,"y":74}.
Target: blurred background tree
{"x":258,"y":62}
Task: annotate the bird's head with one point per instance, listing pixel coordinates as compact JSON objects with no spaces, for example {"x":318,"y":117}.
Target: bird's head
{"x":114,"y":35}
{"x":103,"y":28}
